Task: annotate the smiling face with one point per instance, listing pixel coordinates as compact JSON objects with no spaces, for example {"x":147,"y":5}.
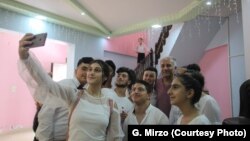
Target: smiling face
{"x":149,"y":76}
{"x":139,"y":93}
{"x":167,"y":67}
{"x":178,"y":93}
{"x":95,"y":74}
{"x":81,"y":73}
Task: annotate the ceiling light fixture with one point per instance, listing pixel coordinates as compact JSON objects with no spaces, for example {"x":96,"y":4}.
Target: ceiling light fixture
{"x":156,"y":26}
{"x":40,"y":17}
{"x":82,"y":13}
{"x":208,"y":3}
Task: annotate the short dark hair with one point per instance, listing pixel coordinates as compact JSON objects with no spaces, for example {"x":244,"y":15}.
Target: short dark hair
{"x":85,"y":60}
{"x":111,"y":64}
{"x":151,"y":69}
{"x":146,"y":84}
{"x":194,"y":67}
{"x":132,"y":78}
{"x":127,"y":70}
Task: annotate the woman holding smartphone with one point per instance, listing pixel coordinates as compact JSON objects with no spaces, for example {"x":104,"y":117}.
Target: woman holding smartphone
{"x":92,"y":117}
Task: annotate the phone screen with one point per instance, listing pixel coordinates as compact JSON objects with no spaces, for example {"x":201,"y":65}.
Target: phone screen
{"x":38,"y":41}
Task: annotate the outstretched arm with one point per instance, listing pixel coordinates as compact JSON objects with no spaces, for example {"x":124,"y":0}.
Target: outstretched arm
{"x":37,"y":79}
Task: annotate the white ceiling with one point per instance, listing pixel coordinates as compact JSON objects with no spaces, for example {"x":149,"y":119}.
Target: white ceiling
{"x":109,"y":17}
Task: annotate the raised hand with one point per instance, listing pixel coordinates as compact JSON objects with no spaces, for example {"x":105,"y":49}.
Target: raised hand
{"x":25,"y":41}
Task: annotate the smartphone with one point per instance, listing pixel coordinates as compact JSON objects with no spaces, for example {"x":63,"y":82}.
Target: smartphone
{"x":38,"y":41}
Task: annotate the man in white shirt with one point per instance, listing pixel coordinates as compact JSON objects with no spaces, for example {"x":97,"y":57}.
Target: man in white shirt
{"x":143,"y":112}
{"x":124,"y":79}
{"x":53,"y":116}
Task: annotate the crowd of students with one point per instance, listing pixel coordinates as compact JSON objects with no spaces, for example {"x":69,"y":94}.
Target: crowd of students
{"x":88,"y":107}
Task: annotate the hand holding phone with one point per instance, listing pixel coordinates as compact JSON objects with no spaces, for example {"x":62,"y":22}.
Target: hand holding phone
{"x":38,"y":40}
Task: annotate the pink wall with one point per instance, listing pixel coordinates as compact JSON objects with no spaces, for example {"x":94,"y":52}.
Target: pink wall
{"x":126,"y":44}
{"x":17,"y":107}
{"x":215,"y":67}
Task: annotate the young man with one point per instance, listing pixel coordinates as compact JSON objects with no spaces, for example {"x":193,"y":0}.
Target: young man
{"x":120,"y":94}
{"x":53,"y":116}
{"x":143,"y":112}
{"x":150,"y":76}
{"x":112,"y":69}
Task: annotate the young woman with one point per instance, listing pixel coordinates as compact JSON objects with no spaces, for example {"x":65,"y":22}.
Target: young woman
{"x":184,"y":92}
{"x":92,"y":117}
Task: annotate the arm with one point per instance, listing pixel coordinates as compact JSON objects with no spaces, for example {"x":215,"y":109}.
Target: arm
{"x":115,"y":132}
{"x":163,"y":120}
{"x":174,"y":114}
{"x":45,"y":130}
{"x":212,"y":111}
{"x":36,"y":78}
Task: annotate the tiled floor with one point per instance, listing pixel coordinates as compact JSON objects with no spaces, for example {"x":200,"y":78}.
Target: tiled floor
{"x":18,"y":135}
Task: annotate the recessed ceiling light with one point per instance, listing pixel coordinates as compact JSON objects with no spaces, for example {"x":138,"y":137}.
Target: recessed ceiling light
{"x":82,"y":13}
{"x":208,"y":3}
{"x":156,"y":26}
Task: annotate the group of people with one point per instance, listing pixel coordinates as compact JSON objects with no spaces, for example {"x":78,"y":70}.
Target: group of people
{"x":88,"y":107}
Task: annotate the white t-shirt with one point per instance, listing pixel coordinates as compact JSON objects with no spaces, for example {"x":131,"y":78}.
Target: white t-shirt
{"x":123,"y":103}
{"x":154,"y":116}
{"x":199,"y":120}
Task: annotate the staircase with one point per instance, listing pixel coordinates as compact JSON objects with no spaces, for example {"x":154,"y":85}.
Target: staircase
{"x":150,"y":60}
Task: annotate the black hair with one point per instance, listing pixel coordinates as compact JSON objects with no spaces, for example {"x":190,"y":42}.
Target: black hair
{"x":244,"y":99}
{"x":194,"y":67}
{"x":85,"y":60}
{"x":198,"y":76}
{"x":151,"y":69}
{"x":191,"y":83}
{"x":132,"y":78}
{"x":146,"y":84}
{"x":124,"y":69}
{"x":111,"y":64}
{"x":131,"y":74}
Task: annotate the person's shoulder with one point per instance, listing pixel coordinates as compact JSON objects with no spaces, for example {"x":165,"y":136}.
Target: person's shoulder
{"x":156,"y":111}
{"x":110,"y":93}
{"x":68,"y":80}
{"x":207,"y":99}
{"x":202,"y":119}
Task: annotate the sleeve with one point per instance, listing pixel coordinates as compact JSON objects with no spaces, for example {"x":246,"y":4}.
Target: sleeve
{"x":212,"y":111}
{"x":40,"y":83}
{"x":174,"y":114}
{"x":46,"y":127}
{"x":163,"y":119}
{"x":115,"y":132}
{"x":125,"y":127}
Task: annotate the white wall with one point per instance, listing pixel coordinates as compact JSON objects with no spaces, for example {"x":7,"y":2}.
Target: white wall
{"x":237,"y":61}
{"x":221,"y":37}
{"x":246,"y":33}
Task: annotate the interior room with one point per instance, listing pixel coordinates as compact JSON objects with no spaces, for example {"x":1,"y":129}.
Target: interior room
{"x":211,"y":33}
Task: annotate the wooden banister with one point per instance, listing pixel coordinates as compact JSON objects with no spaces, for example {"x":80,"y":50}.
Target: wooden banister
{"x":149,"y":59}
